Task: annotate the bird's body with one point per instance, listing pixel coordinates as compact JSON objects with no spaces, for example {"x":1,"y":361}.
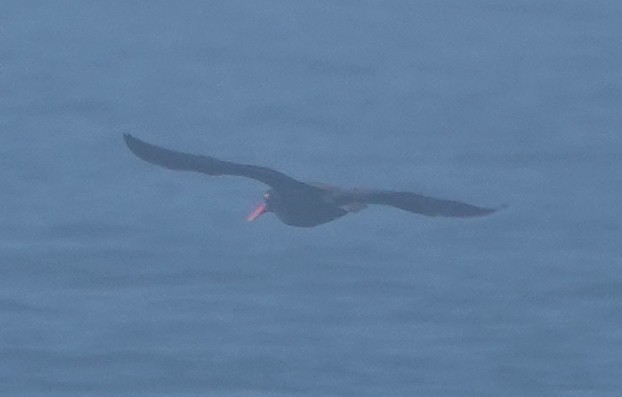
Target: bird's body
{"x":297,"y":203}
{"x":303,"y":210}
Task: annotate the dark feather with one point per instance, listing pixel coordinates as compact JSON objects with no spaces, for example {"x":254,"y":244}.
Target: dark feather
{"x":211,"y":166}
{"x":412,"y":202}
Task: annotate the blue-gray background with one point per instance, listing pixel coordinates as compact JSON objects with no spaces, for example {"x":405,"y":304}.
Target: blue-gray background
{"x":121,"y":278}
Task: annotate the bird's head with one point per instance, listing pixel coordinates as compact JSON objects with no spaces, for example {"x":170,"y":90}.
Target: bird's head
{"x":266,"y":206}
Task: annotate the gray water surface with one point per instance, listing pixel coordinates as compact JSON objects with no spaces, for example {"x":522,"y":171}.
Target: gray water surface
{"x":121,"y":278}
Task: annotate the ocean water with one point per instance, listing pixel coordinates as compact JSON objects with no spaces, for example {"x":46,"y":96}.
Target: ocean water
{"x":121,"y":278}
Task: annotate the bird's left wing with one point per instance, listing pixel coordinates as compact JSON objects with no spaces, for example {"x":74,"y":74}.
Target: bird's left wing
{"x":410,"y":202}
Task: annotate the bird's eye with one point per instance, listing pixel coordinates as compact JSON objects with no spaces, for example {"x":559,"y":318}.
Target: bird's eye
{"x":266,"y":196}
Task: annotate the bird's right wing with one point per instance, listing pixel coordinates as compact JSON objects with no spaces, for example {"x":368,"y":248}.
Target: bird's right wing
{"x":411,"y":202}
{"x":209,"y":165}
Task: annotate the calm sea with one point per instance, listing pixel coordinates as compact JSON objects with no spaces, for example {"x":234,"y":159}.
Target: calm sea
{"x":118,"y":278}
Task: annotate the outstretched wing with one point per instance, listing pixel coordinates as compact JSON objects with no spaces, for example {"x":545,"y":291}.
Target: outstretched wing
{"x":209,"y":165}
{"x":412,"y":202}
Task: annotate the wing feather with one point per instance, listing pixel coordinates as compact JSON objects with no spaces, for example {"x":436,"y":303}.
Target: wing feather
{"x":413,"y":202}
{"x":175,"y":160}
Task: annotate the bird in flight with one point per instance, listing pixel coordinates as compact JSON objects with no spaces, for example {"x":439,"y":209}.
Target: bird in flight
{"x":298,"y":203}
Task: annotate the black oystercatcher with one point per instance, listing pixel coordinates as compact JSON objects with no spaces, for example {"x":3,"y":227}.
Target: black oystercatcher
{"x":297,"y":203}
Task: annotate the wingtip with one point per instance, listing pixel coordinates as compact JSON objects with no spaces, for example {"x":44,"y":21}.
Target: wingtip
{"x":482,"y":211}
{"x":490,"y":211}
{"x":132,"y":142}
{"x":135,"y":145}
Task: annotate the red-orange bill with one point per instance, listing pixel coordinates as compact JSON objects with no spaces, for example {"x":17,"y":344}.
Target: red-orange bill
{"x":258,"y":212}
